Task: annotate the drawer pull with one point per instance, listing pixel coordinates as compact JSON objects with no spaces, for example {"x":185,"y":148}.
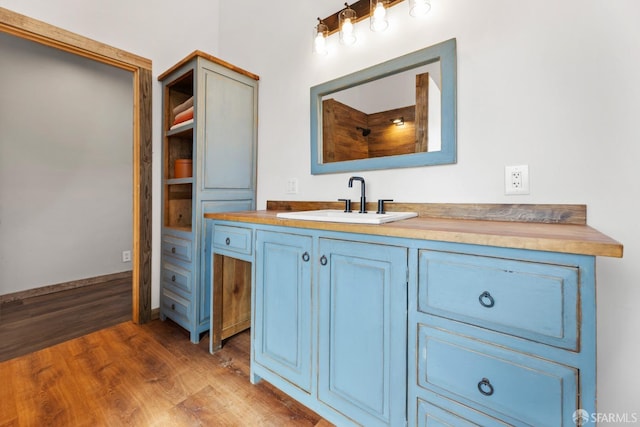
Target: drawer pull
{"x":485,"y":387}
{"x":173,"y":306}
{"x":323,"y":260}
{"x":173,"y":250}
{"x":173,"y":278}
{"x":486,"y":300}
{"x":305,"y":256}
{"x":227,"y":241}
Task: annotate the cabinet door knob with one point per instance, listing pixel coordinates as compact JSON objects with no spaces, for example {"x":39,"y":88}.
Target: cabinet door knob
{"x":227,"y":241}
{"x":323,"y":260}
{"x":173,"y":250}
{"x":485,"y":387}
{"x":305,"y":256}
{"x":486,"y":300}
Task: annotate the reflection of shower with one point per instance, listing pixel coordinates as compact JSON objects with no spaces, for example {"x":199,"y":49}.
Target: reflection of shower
{"x":365,"y":131}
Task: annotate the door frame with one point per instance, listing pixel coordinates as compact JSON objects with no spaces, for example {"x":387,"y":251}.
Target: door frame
{"x":40,"y":32}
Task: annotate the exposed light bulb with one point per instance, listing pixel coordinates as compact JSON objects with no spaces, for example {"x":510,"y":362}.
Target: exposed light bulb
{"x":320,"y":44}
{"x":379,"y":18}
{"x":419,"y":7}
{"x":348,"y":36}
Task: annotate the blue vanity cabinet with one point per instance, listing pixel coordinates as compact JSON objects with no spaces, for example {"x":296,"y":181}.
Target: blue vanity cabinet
{"x":330,"y":323}
{"x":502,"y":337}
{"x":362,"y":315}
{"x":282,"y":336}
{"x":382,"y":326}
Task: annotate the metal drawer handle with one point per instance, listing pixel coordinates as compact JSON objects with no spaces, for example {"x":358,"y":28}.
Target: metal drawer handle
{"x":173,"y":306}
{"x":305,"y":256}
{"x":173,"y":278}
{"x":486,"y":300}
{"x":485,"y":387}
{"x":323,"y":260}
{"x":173,"y":250}
{"x":227,"y":241}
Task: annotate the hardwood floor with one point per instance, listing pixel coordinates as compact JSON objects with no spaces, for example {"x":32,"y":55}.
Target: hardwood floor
{"x":142,"y":375}
{"x":38,"y":322}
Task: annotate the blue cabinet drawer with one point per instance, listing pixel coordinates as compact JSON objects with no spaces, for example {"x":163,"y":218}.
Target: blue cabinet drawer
{"x":497,"y":380}
{"x":175,"y":307}
{"x":176,"y":277}
{"x":176,"y":247}
{"x":431,"y":415}
{"x":235,"y":239}
{"x":526,"y":299}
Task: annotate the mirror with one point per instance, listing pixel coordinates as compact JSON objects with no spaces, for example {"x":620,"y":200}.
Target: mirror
{"x":400,"y":113}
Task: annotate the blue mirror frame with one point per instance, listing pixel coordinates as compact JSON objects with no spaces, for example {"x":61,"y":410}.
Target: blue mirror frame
{"x":445,"y":52}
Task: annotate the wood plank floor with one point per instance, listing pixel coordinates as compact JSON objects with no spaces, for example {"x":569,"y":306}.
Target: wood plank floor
{"x":38,"y":322}
{"x":142,"y":375}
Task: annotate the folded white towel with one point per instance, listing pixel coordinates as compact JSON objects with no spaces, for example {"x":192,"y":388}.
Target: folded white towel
{"x":177,"y":125}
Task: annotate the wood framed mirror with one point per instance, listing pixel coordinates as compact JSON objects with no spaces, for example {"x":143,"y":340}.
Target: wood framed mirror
{"x":400,"y":113}
{"x":37,"y":31}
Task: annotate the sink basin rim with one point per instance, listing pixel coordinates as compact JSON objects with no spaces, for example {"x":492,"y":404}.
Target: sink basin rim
{"x":335,"y":215}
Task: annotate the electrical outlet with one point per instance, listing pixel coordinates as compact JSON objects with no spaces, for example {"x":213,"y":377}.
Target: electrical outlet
{"x":516,"y":179}
{"x":126,"y":256}
{"x":292,"y":186}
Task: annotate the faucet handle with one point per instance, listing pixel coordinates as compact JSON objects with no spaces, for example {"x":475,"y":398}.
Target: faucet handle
{"x":347,"y":204}
{"x":381,"y":205}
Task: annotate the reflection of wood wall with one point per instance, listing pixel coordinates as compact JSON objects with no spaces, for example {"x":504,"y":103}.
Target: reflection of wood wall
{"x":343,"y":141}
{"x":387,"y":139}
{"x":422,"y":113}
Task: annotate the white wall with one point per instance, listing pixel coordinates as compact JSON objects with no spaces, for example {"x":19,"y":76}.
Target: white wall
{"x":65,"y":166}
{"x":549,"y":84}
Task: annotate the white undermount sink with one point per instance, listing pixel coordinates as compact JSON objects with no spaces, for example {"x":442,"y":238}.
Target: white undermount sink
{"x":335,"y":215}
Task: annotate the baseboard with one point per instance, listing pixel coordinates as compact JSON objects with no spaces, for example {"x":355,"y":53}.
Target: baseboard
{"x":155,"y":313}
{"x":44,"y":290}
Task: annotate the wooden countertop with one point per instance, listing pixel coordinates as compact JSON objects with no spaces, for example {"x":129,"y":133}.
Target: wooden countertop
{"x":566,"y":238}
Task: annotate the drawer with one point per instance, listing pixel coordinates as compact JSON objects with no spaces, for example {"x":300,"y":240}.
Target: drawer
{"x":176,"y":247}
{"x":235,"y":239}
{"x":176,"y":277}
{"x":496,"y":380}
{"x":176,"y":308}
{"x":526,"y":299}
{"x":431,"y":415}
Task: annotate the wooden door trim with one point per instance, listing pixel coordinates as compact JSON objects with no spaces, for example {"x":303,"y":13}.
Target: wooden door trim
{"x":31,"y":29}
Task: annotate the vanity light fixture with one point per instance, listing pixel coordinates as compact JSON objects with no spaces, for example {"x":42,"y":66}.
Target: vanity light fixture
{"x":419,"y":8}
{"x":345,"y":19}
{"x":346,"y":22}
{"x":320,"y":39}
{"x":378,"y":20}
{"x":398,"y":121}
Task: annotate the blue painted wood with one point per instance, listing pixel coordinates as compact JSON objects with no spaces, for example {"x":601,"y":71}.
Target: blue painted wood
{"x":448,"y":349}
{"x":283,"y":310}
{"x":232,"y":239}
{"x":445,"y":52}
{"x":224,"y":139}
{"x":229,"y":133}
{"x":536,"y":301}
{"x":362,"y":330}
{"x":531,"y":390}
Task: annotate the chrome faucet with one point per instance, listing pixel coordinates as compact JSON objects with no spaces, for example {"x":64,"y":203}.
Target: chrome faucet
{"x":363,"y":198}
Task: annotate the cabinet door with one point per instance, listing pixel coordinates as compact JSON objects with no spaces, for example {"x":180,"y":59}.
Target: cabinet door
{"x":229,"y":131}
{"x":283,"y":306}
{"x":362,"y":331}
